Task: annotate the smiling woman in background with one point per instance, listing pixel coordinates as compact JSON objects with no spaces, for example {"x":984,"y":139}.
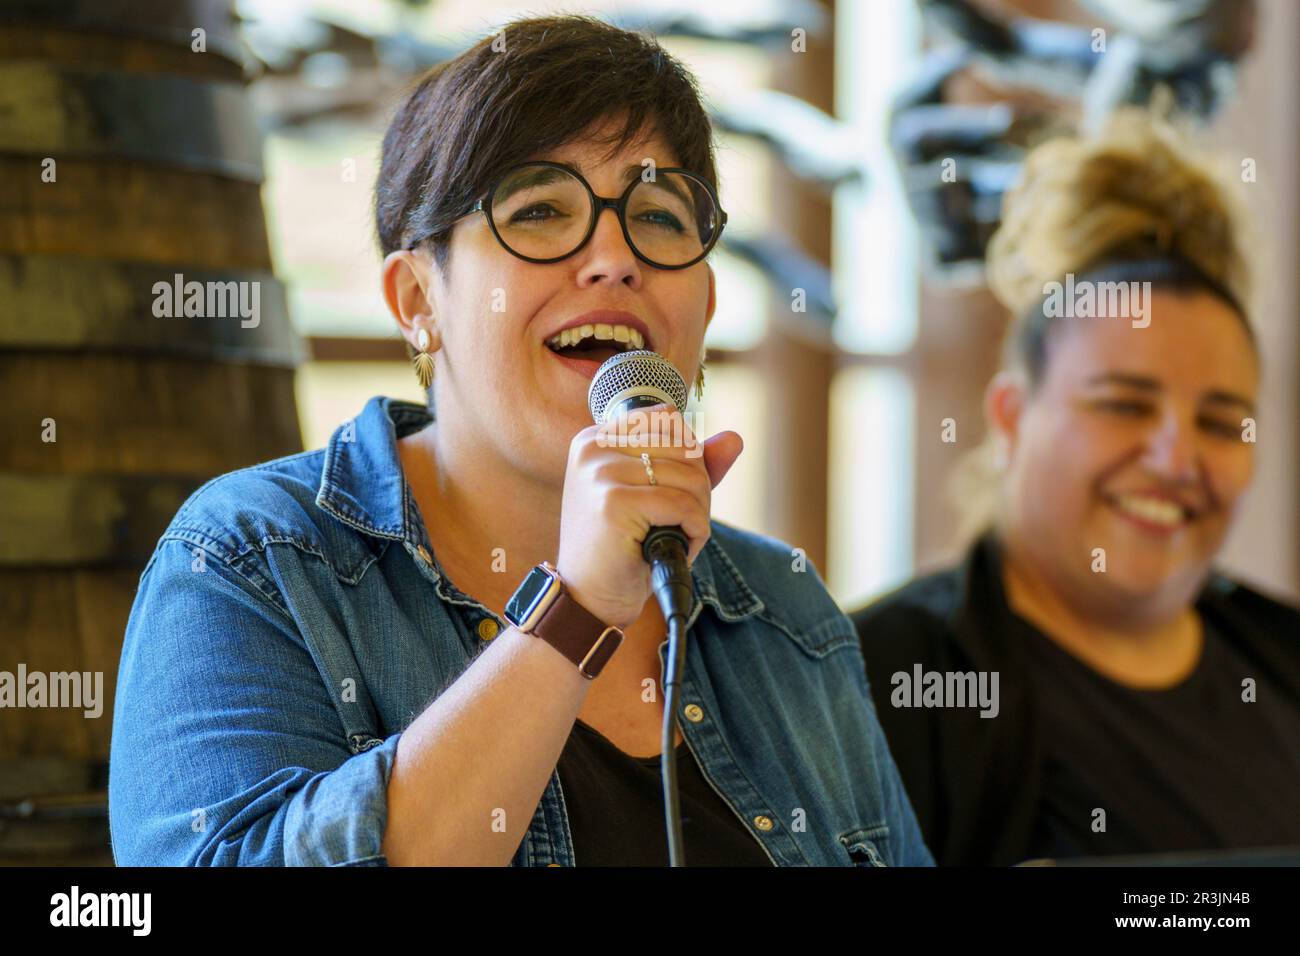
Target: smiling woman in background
{"x":1146,"y":703}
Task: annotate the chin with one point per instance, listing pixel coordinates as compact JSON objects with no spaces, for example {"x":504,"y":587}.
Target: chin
{"x":1145,"y":577}
{"x":552,"y":432}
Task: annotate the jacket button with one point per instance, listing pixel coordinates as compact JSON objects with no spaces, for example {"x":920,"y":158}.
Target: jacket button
{"x":487,"y":629}
{"x":763,"y":823}
{"x":694,"y":713}
{"x":423,"y":552}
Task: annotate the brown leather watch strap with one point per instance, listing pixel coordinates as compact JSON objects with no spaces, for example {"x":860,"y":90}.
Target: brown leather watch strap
{"x":578,"y":634}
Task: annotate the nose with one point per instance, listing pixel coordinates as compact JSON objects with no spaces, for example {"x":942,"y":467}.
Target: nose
{"x":607,"y":257}
{"x":1171,"y":450}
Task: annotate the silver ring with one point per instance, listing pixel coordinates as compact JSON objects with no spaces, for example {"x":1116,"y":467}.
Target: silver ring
{"x":649,"y":468}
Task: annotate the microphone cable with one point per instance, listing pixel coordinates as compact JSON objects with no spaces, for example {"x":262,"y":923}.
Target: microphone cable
{"x":624,"y":382}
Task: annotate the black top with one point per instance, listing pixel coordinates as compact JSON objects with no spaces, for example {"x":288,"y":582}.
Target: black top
{"x":615,"y":807}
{"x":1193,"y":766}
{"x":1189,"y":767}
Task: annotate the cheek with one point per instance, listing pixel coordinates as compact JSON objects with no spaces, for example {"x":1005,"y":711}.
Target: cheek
{"x":1229,"y":469}
{"x":491,"y":320}
{"x":1064,"y":455}
{"x":681,"y":301}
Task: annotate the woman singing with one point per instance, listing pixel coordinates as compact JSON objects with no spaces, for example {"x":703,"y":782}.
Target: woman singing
{"x":338,"y":657}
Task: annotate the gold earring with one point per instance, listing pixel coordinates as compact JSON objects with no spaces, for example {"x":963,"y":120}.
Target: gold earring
{"x":699,"y":380}
{"x":422,"y":360}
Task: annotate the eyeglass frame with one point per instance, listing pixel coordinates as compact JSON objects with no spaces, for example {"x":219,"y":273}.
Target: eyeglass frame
{"x":598,"y":205}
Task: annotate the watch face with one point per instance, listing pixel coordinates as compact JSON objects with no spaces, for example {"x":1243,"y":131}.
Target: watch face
{"x":527,"y":596}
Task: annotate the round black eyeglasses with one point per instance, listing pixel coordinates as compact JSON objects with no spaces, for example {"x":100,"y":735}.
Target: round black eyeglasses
{"x":543,"y":212}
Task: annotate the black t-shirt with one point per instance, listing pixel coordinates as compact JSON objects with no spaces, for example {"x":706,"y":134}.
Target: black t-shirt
{"x":1188,"y":764}
{"x":1189,"y":767}
{"x":616,"y":809}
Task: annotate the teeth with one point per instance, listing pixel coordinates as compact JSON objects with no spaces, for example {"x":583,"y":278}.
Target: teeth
{"x":1155,"y":510}
{"x":624,"y":335}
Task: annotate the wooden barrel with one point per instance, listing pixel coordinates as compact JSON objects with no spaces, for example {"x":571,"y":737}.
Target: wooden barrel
{"x":144,"y":348}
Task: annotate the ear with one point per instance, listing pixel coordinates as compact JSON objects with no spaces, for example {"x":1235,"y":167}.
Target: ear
{"x":408,"y":279}
{"x":1004,"y":403}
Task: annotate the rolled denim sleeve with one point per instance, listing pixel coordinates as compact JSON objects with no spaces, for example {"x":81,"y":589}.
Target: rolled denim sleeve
{"x":227,"y":748}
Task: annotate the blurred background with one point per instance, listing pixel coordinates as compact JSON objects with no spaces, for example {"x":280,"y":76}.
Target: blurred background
{"x":852,"y":319}
{"x":830,"y":117}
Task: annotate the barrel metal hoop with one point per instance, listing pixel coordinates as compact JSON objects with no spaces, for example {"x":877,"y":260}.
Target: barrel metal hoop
{"x":166,"y":21}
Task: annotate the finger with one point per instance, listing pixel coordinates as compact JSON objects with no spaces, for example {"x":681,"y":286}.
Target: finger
{"x":688,"y":476}
{"x":720,"y":453}
{"x":660,"y":427}
{"x":651,"y":506}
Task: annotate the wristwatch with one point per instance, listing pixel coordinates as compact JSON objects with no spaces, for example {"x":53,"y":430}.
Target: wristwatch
{"x":542,"y":606}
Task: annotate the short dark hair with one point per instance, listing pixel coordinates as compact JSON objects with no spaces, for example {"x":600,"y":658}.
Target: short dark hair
{"x":469,"y":119}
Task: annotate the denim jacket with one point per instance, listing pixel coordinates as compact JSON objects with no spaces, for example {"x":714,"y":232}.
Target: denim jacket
{"x":293,"y":621}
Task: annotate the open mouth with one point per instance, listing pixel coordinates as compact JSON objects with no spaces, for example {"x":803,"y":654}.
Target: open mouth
{"x":595,"y":343}
{"x":1152,"y":513}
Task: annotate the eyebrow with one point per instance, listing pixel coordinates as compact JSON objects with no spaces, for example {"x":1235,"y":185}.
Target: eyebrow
{"x":549,"y":174}
{"x":1140,"y":382}
{"x":1146,"y":384}
{"x":670,"y":185}
{"x":539,"y":176}
{"x":1219,"y":397}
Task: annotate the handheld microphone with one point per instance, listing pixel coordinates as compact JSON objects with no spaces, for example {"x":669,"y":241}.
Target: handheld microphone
{"x":623,"y":383}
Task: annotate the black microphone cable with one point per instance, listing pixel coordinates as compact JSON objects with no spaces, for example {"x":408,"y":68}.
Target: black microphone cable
{"x":665,"y":550}
{"x":623,"y":383}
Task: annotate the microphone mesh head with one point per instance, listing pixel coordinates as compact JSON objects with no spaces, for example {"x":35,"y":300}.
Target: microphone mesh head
{"x":639,"y":372}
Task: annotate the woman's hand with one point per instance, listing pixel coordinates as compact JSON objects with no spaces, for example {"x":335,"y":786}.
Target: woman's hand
{"x":610,"y":505}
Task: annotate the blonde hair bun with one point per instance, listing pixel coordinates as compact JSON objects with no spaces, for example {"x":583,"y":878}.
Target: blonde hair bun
{"x":1136,"y":188}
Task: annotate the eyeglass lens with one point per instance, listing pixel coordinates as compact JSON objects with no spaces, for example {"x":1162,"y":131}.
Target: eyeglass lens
{"x":543,"y":212}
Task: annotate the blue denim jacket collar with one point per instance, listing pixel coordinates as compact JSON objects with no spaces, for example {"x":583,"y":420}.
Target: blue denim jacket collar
{"x":362,"y":485}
